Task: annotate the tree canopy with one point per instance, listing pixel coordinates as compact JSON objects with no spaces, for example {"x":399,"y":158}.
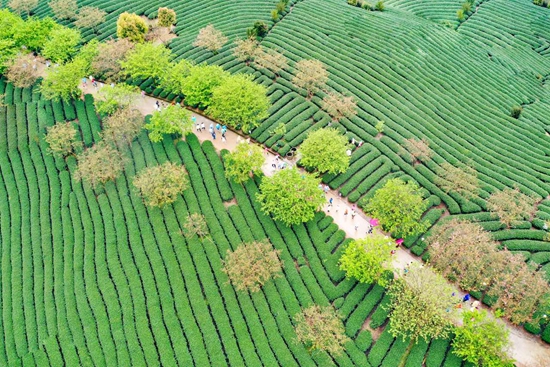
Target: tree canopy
{"x":106,"y":63}
{"x":339,"y":105}
{"x":238,"y":100}
{"x":64,"y":80}
{"x":61,"y":44}
{"x":210,"y":38}
{"x":511,"y":205}
{"x":160,"y":185}
{"x":422,"y":305}
{"x":22,"y":71}
{"x":245,"y":50}
{"x":399,"y":207}
{"x":166,"y":17}
{"x":147,"y":60}
{"x":62,"y":139}
{"x":243,"y":160}
{"x":63,"y":9}
{"x":311,"y":75}
{"x":122,"y":127}
{"x":325,"y":150}
{"x":99,"y":164}
{"x":271,"y":60}
{"x":23,"y":6}
{"x":367,"y":259}
{"x":131,"y":26}
{"x":173,"y":79}
{"x":461,"y":179}
{"x":199,"y":85}
{"x":321,"y":328}
{"x":90,"y":17}
{"x":290,"y":196}
{"x":482,"y":341}
{"x":110,"y":99}
{"x":170,"y":120}
{"x":251,"y":265}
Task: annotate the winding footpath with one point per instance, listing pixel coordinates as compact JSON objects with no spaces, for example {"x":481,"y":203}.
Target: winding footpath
{"x":528,"y":350}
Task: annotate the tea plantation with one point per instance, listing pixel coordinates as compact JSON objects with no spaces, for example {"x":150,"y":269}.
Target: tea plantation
{"x":95,"y":278}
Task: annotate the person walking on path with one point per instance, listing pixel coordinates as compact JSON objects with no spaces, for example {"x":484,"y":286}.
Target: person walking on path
{"x":203,"y":127}
{"x":211,"y":129}
{"x":213,"y":135}
{"x":466,"y":297}
{"x":346,"y":212}
{"x":218,"y":127}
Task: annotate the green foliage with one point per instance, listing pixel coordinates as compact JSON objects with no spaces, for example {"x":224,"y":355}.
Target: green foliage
{"x":173,"y":79}
{"x":368,"y":258}
{"x":290,"y":196}
{"x":160,"y":185}
{"x":199,"y":85}
{"x":22,"y":6}
{"x":147,"y":61}
{"x":325,"y":150}
{"x":166,"y":17}
{"x":460,"y":14}
{"x":399,"y":207}
{"x":107,"y":61}
{"x":131,"y":26}
{"x":111,"y":99}
{"x":62,"y":139}
{"x":251,"y":265}
{"x":379,"y":6}
{"x":34,"y":32}
{"x":61,"y":44}
{"x":22,"y":71}
{"x":258,"y":30}
{"x":63,"y":81}
{"x":321,"y":328}
{"x":238,"y":100}
{"x":122,"y":127}
{"x":8,"y":52}
{"x":244,"y":160}
{"x":170,"y":120}
{"x":422,"y":305}
{"x":380,"y":126}
{"x":482,"y":340}
{"x":210,"y":38}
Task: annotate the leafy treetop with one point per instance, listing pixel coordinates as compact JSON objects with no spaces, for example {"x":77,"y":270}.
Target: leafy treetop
{"x":131,"y":26}
{"x":290,"y":196}
{"x":243,"y":160}
{"x":160,"y":185}
{"x":210,"y":38}
{"x":170,"y":120}
{"x":147,"y":60}
{"x":325,"y":150}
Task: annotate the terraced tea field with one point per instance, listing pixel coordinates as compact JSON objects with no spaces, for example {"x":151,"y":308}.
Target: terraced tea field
{"x":95,"y":278}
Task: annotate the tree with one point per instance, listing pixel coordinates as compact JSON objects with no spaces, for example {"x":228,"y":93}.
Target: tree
{"x":173,"y":79}
{"x":418,"y":149}
{"x":463,"y":251}
{"x":63,"y":9}
{"x":461,"y":179}
{"x":62,"y":139}
{"x":325,"y":149}
{"x":482,"y":341}
{"x":131,"y":26}
{"x":368,"y":259}
{"x":271,"y":60}
{"x":21,"y":71}
{"x":160,"y":185}
{"x":200,"y":83}
{"x":8,"y":52}
{"x":107,"y":61}
{"x":210,"y":38}
{"x":290,"y":196}
{"x":422,"y":305}
{"x":64,"y":80}
{"x":511,"y":205}
{"x":251,"y":265}
{"x":61,"y":44}
{"x":90,"y":17}
{"x":99,"y":164}
{"x":238,"y":100}
{"x":195,"y":225}
{"x":321,"y":328}
{"x":311,"y":75}
{"x":258,"y":30}
{"x":147,"y":60}
{"x":399,"y":207}
{"x":33,"y":32}
{"x":171,"y":120}
{"x":244,"y":160}
{"x":122,"y":127}
{"x":339,"y":106}
{"x":245,"y":50}
{"x":22,"y":6}
{"x":111,"y":99}
{"x":166,"y":17}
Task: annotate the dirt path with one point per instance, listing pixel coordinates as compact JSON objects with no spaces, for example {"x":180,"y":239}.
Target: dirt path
{"x":526,"y":349}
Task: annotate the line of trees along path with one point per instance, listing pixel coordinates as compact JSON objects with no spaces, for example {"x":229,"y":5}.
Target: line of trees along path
{"x":526,"y":349}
